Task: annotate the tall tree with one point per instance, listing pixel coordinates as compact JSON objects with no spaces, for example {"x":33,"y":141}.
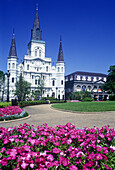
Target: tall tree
{"x":109,"y":85}
{"x":1,"y":82}
{"x":22,"y":88}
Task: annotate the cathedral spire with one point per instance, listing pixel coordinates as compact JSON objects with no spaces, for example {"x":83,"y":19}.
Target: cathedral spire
{"x":13,"y":52}
{"x":60,"y":54}
{"x":36,"y":32}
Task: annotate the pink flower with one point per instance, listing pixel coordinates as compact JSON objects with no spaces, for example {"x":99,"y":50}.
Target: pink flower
{"x":3,"y":149}
{"x":24,"y":165}
{"x":101,"y":135}
{"x":32,"y":166}
{"x":50,"y":157}
{"x":56,"y":150}
{"x":13,"y":153}
{"x":6,"y":141}
{"x":73,"y":167}
{"x":99,"y":148}
{"x":98,"y":156}
{"x":80,"y":154}
{"x":69,"y":141}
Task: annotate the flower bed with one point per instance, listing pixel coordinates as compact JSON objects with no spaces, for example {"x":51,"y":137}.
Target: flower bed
{"x":65,"y":147}
{"x":11,"y":112}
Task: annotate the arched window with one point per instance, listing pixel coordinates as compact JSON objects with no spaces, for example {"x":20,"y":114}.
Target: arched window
{"x":28,"y":67}
{"x":58,"y":69}
{"x":39,"y":53}
{"x":95,"y":89}
{"x":35,"y":82}
{"x":89,"y":88}
{"x":78,"y":88}
{"x":12,"y":79}
{"x":46,"y":68}
{"x":61,"y":82}
{"x":13,"y":65}
{"x":53,"y":83}
{"x":62,"y":69}
{"x":9,"y":65}
{"x":83,"y":87}
{"x":35,"y":52}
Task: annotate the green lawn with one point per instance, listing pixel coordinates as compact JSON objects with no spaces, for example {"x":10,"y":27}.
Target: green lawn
{"x":87,"y":106}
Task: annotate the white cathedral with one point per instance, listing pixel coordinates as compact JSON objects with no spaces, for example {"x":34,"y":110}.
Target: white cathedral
{"x":36,"y":66}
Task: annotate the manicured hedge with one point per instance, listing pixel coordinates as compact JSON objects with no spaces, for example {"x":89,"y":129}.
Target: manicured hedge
{"x":5,"y":104}
{"x":28,"y":103}
{"x":57,"y":101}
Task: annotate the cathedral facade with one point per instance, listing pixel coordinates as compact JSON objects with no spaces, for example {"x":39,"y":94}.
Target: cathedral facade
{"x":37,"y":66}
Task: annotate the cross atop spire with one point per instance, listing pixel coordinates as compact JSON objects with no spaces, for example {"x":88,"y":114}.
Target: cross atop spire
{"x":36,"y":32}
{"x":60,"y":54}
{"x":13,"y":52}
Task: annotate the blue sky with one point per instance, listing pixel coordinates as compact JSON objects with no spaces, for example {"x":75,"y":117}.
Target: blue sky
{"x":87,"y":28}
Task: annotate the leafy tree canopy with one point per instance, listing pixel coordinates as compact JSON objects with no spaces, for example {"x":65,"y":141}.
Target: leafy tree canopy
{"x":22,"y":88}
{"x":1,"y":73}
{"x":109,"y":85}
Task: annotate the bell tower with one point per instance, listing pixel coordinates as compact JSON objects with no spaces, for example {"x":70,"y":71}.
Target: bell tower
{"x":60,"y":69}
{"x":12,"y":67}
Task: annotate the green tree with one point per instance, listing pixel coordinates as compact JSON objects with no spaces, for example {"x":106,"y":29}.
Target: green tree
{"x":1,"y":82}
{"x":109,"y":85}
{"x":41,"y":86}
{"x":22,"y":88}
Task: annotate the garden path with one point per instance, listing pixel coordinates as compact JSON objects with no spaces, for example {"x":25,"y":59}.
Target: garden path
{"x":45,"y":114}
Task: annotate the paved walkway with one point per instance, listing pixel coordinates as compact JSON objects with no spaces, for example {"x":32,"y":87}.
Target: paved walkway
{"x":44,"y":114}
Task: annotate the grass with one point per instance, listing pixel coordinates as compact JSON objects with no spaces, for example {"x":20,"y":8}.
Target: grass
{"x":87,"y":106}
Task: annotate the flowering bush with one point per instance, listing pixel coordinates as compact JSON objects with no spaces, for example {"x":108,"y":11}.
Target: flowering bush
{"x":10,"y":110}
{"x":63,"y":147}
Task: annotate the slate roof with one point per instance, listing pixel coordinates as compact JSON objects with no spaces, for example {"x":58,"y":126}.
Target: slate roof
{"x":60,"y":54}
{"x":81,"y":73}
{"x":13,"y":52}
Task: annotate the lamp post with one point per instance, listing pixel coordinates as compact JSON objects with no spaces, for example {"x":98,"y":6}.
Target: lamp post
{"x":8,"y":75}
{"x":56,"y":92}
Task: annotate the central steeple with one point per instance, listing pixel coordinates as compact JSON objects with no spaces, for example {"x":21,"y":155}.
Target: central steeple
{"x":36,"y":33}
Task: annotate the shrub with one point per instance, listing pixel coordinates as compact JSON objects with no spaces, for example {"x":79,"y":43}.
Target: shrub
{"x":87,"y":99}
{"x":65,"y":147}
{"x":112,"y":97}
{"x":28,"y":103}
{"x":57,"y":101}
{"x":5,"y":104}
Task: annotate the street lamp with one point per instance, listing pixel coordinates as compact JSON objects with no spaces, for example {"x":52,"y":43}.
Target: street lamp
{"x":8,"y":75}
